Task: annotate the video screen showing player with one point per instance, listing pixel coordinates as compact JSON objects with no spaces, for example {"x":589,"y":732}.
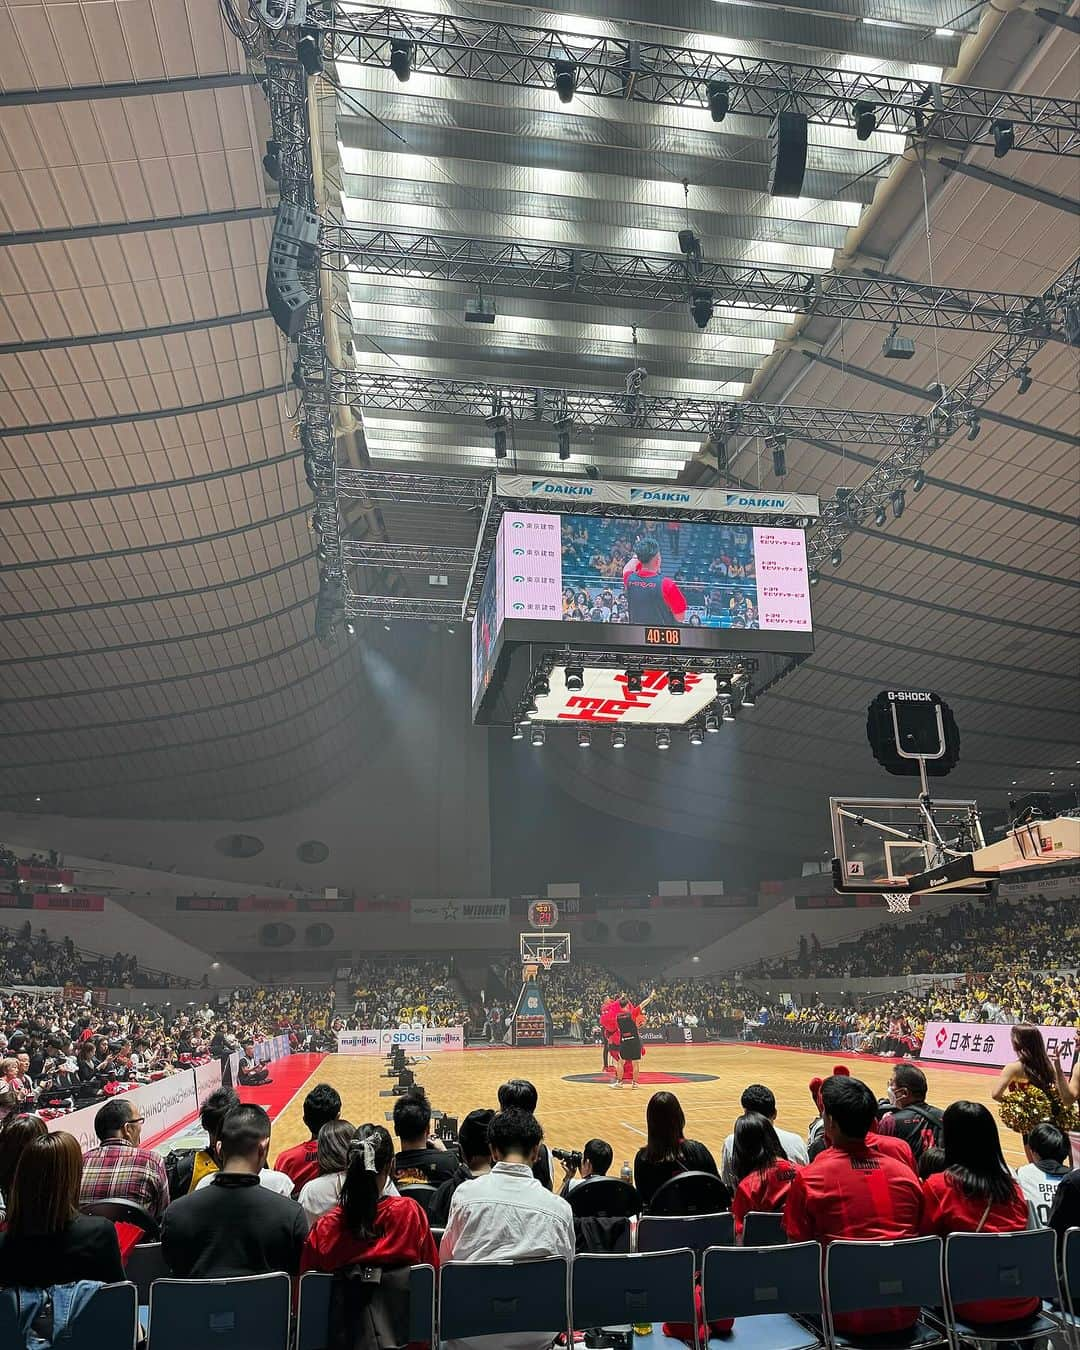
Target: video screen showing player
{"x":663,"y":572}
{"x":485,"y":629}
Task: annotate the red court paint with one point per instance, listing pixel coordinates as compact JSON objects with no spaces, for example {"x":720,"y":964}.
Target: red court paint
{"x":288,"y":1077}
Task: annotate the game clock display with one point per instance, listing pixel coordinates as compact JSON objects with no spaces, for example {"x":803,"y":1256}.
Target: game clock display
{"x":663,"y":637}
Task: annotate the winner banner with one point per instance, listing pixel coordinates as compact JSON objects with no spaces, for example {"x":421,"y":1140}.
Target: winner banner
{"x":988,"y":1043}
{"x":418,"y":1040}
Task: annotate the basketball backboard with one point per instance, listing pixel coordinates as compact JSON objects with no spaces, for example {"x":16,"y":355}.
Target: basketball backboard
{"x":880,"y":843}
{"x":545,"y":949}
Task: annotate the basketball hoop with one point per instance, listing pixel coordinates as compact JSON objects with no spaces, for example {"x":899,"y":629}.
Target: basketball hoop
{"x":545,"y":958}
{"x":897,"y":902}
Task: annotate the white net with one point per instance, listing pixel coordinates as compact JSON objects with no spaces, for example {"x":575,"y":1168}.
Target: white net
{"x":897,"y":902}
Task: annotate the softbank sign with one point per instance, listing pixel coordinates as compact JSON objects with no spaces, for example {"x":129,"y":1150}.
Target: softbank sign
{"x":426,"y":1040}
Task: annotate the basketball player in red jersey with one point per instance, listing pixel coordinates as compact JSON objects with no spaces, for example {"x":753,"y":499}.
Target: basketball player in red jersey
{"x":651,"y":598}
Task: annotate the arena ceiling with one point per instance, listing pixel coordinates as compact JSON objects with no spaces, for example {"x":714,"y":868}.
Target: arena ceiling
{"x":156,"y":647}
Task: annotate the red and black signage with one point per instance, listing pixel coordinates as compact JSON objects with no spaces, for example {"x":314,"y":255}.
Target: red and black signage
{"x":67,"y":900}
{"x":45,"y":876}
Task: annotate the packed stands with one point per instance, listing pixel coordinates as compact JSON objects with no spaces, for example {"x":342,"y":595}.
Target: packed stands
{"x":33,"y":958}
{"x":390,"y":990}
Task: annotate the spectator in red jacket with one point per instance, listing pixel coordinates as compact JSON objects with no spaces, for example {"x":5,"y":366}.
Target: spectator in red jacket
{"x":854,"y":1192}
{"x":976,"y":1194}
{"x":760,"y":1167}
{"x":301,"y":1162}
{"x":368,"y":1225}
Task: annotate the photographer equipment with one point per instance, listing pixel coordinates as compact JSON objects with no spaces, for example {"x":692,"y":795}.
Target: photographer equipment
{"x":567,"y":1155}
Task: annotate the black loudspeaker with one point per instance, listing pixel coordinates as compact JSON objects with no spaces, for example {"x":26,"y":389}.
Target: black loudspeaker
{"x":787,"y":154}
{"x":276,"y":934}
{"x":906,"y":726}
{"x":292,"y":248}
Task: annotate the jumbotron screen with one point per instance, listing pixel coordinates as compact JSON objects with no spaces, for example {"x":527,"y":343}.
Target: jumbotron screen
{"x":646,"y":580}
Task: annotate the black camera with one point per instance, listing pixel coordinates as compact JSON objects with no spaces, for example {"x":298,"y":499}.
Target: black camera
{"x":567,"y":1155}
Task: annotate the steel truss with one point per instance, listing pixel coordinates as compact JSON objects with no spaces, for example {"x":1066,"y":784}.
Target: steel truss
{"x":431,"y":558}
{"x":435,"y":397}
{"x":482,"y":49}
{"x":956,"y":408}
{"x":285,"y":84}
{"x":413,"y":489}
{"x":390,"y":607}
{"x":569,"y":272}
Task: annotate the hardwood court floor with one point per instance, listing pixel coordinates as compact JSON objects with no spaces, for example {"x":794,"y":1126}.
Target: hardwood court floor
{"x":573,"y":1112}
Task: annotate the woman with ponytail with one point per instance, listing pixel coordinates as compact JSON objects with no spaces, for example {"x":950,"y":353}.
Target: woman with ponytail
{"x":371,"y":1225}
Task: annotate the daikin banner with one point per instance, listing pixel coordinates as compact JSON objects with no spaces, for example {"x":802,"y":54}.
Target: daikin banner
{"x":418,"y":1040}
{"x":988,"y":1043}
{"x":566,"y":492}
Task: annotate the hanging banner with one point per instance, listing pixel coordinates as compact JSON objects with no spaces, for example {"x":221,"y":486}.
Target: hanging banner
{"x":982,"y":1043}
{"x":457,"y":913}
{"x":572,"y":491}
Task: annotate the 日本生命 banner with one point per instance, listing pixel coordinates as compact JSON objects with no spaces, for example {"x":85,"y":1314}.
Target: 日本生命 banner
{"x":420,"y":1040}
{"x":982,"y":1043}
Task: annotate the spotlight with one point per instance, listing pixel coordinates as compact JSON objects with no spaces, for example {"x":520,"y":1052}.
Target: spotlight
{"x":865,"y":119}
{"x":542,"y":686}
{"x":663,"y":739}
{"x":529,"y":706}
{"x":879,"y":516}
{"x":401,"y":50}
{"x":729,"y":711}
{"x":701,"y":305}
{"x":350,"y":628}
{"x":272,"y":160}
{"x":633,"y":681}
{"x":584,"y":738}
{"x":618,"y":738}
{"x":696,"y":734}
{"x":575,"y":678}
{"x":898,"y":499}
{"x":565,"y":79}
{"x":897,"y":348}
{"x":712,"y":724}
{"x":537,"y":736}
{"x":1004,"y":134}
{"x":779,"y":462}
{"x":719,"y":97}
{"x":518,"y":733}
{"x":836,"y":557}
{"x":1070,"y":322}
{"x":496,"y":424}
{"x":676,"y":681}
{"x":918,"y":480}
{"x":1023,"y":379}
{"x":562,"y":431}
{"x":689,"y":244}
{"x":717,"y":445}
{"x":974,"y":424}
{"x":747,"y":699}
{"x":814,"y":576}
{"x":308,"y":50}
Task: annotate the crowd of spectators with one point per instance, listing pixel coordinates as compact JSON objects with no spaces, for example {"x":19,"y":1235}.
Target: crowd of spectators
{"x":1034,"y":933}
{"x":358,"y":1196}
{"x":395,"y":990}
{"x":31,"y":958}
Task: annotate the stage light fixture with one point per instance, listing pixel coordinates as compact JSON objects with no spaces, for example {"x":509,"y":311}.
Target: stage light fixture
{"x":676,"y":681}
{"x":663,"y":739}
{"x":565,"y":79}
{"x":701,"y":306}
{"x":814,"y":576}
{"x":584,"y":738}
{"x":897,"y":348}
{"x":496,"y":424}
{"x":879,"y":515}
{"x":308,"y":50}
{"x":918,"y":480}
{"x":618,"y":738}
{"x":350,"y":628}
{"x":836,"y":557}
{"x":542,"y":686}
{"x":974,"y":424}
{"x":575,"y":678}
{"x":729,"y":711}
{"x":717,"y":445}
{"x":401,"y":50}
{"x":898,"y":500}
{"x":562,"y":432}
{"x":272,"y":160}
{"x":1023,"y":379}
{"x":633,"y":681}
{"x":530,"y":704}
{"x":537,"y":736}
{"x":518,"y":733}
{"x":865,"y":119}
{"x":689,"y":244}
{"x":779,"y":462}
{"x":747,"y":697}
{"x":695,"y":734}
{"x":719,"y":96}
{"x":712,"y":724}
{"x":1004,"y":134}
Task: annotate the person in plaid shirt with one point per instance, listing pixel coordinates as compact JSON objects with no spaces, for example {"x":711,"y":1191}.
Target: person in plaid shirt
{"x":119,"y":1169}
{"x":855,"y":1191}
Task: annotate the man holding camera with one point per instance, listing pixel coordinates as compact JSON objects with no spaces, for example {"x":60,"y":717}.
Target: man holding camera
{"x":593,"y":1161}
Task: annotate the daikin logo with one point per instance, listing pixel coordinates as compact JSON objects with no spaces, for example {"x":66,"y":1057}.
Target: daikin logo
{"x":657,"y":495}
{"x":738,"y":499}
{"x":543,"y":487}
